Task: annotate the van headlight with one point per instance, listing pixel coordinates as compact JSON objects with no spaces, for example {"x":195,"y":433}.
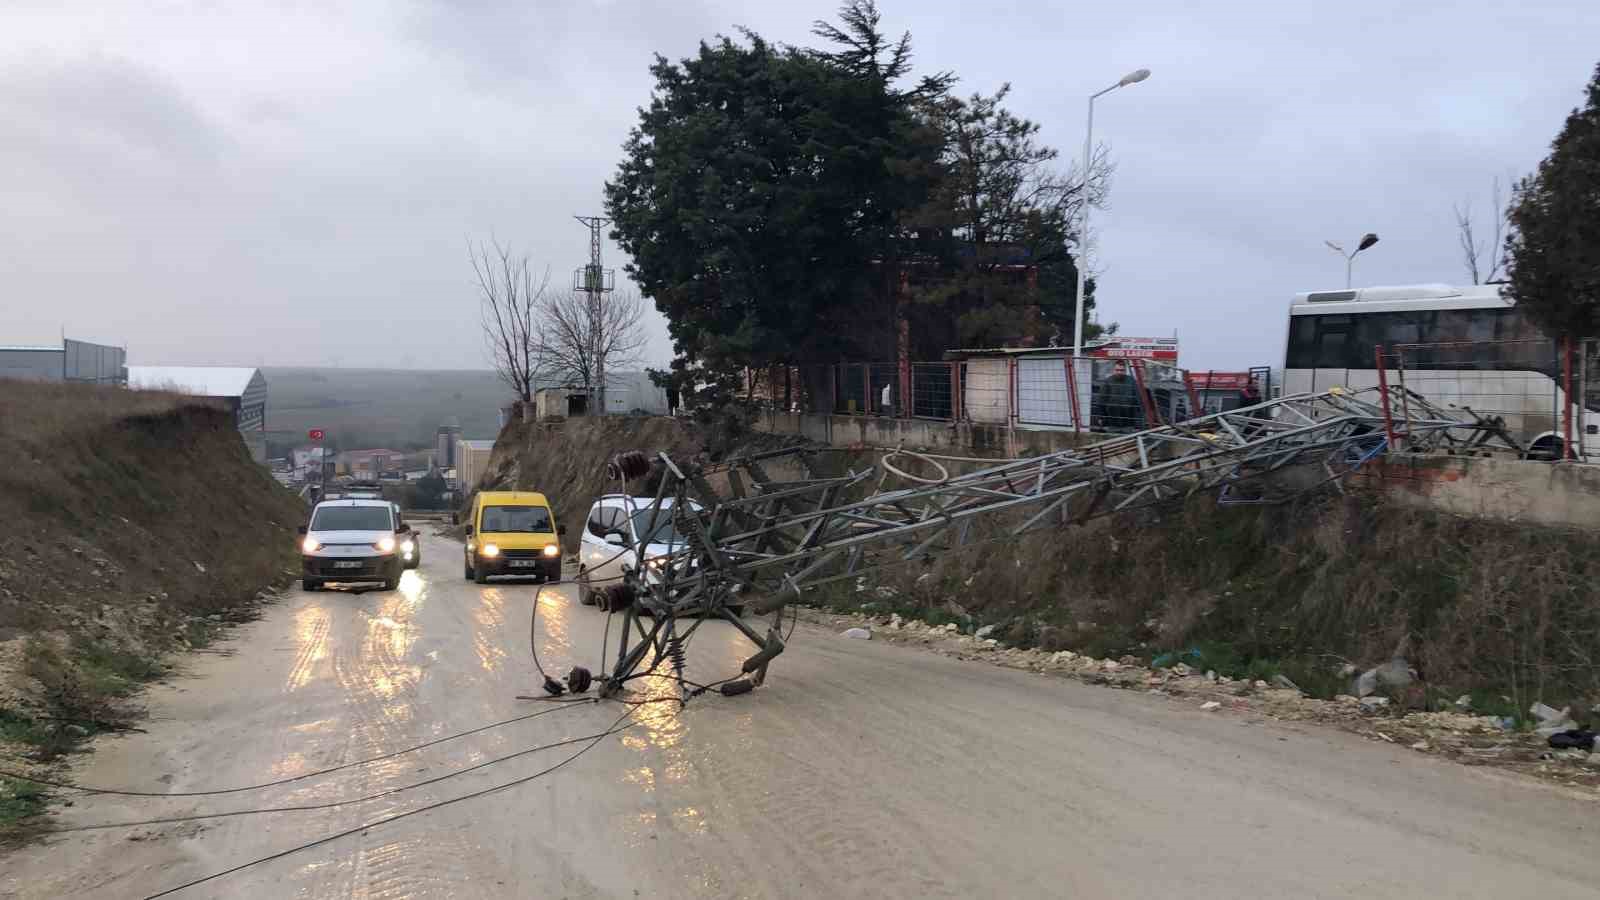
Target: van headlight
{"x":385,"y":545}
{"x":310,"y":544}
{"x":552,"y":550}
{"x":489,"y":550}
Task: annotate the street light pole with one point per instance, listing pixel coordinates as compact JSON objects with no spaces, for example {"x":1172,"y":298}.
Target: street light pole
{"x":1083,"y":219}
{"x":1367,"y":240}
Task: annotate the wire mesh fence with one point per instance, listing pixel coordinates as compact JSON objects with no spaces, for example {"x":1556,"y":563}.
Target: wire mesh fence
{"x":1518,"y":385}
{"x":1052,"y":391}
{"x":934,"y":389}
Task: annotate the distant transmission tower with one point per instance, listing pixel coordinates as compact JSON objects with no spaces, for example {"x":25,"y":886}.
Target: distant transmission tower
{"x":596,"y":281}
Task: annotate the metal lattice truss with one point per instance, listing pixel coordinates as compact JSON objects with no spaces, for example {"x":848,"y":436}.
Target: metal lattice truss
{"x":771,"y":540}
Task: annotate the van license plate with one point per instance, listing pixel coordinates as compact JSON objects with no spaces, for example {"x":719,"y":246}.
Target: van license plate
{"x":521,"y":563}
{"x":347,"y":564}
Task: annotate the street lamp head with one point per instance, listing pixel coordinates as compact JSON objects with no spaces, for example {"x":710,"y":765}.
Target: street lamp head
{"x":1367,"y":240}
{"x":1134,"y":77}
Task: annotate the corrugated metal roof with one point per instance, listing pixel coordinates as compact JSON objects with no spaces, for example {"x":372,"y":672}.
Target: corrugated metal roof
{"x":201,"y":381}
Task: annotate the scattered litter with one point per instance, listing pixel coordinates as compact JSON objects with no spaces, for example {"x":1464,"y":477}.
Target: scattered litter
{"x":1573,"y":739}
{"x":983,"y":632}
{"x":1384,"y":736}
{"x":1182,"y":670}
{"x":1284,"y":682}
{"x":1211,"y":674}
{"x":1210,"y":705}
{"x":1552,"y":721}
{"x":199,"y":568}
{"x":1396,"y":674}
{"x":1464,"y":701}
{"x":1372,"y":704}
{"x":1167,"y":659}
{"x":860,"y":634}
{"x":1420,"y":745}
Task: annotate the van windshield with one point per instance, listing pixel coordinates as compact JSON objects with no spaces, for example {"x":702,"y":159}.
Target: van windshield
{"x":351,"y":518}
{"x":515,"y":519}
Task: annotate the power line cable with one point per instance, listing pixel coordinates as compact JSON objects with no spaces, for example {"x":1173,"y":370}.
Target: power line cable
{"x":69,"y":785}
{"x":398,"y":816}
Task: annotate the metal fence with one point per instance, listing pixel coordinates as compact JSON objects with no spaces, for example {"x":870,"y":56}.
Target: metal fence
{"x":1033,"y":391}
{"x":1519,"y":386}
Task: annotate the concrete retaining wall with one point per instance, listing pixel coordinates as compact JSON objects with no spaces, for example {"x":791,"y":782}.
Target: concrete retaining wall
{"x":1566,"y":494}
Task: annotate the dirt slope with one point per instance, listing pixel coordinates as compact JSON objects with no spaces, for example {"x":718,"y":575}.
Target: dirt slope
{"x":567,"y":460}
{"x":135,"y":523}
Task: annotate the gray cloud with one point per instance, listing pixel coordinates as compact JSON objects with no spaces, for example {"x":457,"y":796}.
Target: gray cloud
{"x":258,"y":185}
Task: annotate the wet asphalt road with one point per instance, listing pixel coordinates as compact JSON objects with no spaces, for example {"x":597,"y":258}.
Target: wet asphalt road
{"x":859,"y":770}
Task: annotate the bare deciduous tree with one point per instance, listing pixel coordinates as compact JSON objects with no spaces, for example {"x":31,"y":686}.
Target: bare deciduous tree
{"x":512,"y":301}
{"x":579,"y":340}
{"x":1484,"y":261}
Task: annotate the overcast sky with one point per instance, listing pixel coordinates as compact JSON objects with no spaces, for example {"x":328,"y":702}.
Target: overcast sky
{"x":295,"y":183}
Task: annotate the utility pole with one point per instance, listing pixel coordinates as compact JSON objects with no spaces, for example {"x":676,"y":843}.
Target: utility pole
{"x":596,"y":281}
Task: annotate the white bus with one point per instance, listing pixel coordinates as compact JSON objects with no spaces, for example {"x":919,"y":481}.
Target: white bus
{"x":1477,"y":351}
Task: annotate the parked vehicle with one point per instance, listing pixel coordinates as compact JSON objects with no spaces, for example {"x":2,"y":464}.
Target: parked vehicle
{"x":1465,"y":347}
{"x":617,"y":528}
{"x":351,"y":541}
{"x":512,"y":533}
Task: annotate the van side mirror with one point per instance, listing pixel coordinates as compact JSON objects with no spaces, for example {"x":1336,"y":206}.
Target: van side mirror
{"x":455,"y":518}
{"x":402,"y":528}
{"x":469,"y":531}
{"x":300,"y":530}
{"x":561,"y":530}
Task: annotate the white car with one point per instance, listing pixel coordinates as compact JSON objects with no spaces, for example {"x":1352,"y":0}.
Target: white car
{"x":352,"y":540}
{"x":616,"y":527}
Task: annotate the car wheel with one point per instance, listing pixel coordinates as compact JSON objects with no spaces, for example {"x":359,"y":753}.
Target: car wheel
{"x":466,"y":570}
{"x":480,"y":576}
{"x":585,"y":593}
{"x":311,"y":584}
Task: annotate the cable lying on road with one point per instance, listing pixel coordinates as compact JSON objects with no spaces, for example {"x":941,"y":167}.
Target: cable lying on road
{"x":616,"y":726}
{"x":335,"y":804}
{"x":88,"y":789}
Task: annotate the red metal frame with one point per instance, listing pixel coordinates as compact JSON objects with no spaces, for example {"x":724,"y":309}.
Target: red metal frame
{"x":1151,"y":415}
{"x":1072,"y":392}
{"x":1195,"y":411}
{"x":1383,"y":387}
{"x":1566,"y":400}
{"x":1011,"y":377}
{"x":955,"y":392}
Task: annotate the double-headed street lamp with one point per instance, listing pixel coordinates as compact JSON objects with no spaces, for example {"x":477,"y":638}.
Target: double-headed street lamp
{"x":1367,"y":240}
{"x":1083,"y":221}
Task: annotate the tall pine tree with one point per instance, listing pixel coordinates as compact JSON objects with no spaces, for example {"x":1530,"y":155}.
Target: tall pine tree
{"x":1554,"y":247}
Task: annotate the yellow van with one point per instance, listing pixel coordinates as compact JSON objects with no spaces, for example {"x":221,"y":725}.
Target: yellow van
{"x":513,"y":533}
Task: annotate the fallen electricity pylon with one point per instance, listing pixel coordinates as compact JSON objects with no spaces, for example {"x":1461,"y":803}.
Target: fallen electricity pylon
{"x":759,"y":548}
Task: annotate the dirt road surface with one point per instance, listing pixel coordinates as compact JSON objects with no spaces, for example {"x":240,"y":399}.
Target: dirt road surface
{"x":860,"y":770}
